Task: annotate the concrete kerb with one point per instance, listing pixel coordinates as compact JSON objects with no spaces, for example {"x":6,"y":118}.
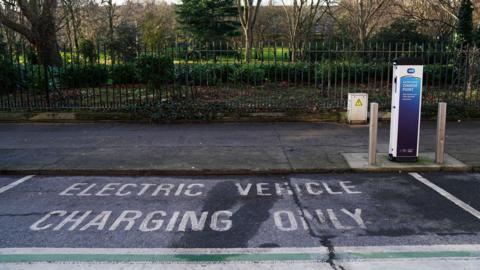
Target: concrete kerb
{"x":149,"y":172}
{"x":110,"y":172}
{"x":358,"y":162}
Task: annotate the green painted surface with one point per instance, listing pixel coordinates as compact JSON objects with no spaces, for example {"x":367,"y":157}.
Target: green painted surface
{"x":16,"y":258}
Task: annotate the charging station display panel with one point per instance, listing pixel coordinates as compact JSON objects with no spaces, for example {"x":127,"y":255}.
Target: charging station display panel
{"x":409,"y":115}
{"x":406,"y":109}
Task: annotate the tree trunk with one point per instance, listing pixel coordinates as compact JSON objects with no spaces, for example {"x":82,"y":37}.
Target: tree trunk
{"x":75,"y":33}
{"x":362,"y":36}
{"x":293,"y":56}
{"x":248,"y":44}
{"x":69,"y":34}
{"x":40,"y":30}
{"x":111,"y":14}
{"x":45,"y":42}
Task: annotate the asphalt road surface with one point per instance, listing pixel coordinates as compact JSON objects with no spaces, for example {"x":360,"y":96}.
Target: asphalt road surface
{"x":317,"y":221}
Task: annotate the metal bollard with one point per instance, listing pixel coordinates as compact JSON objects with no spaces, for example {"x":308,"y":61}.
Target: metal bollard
{"x":441,"y":120}
{"x":372,"y":142}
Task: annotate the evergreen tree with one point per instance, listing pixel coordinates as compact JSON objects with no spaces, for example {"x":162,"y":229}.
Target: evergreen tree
{"x":125,"y":41}
{"x":208,"y":20}
{"x":465,"y":22}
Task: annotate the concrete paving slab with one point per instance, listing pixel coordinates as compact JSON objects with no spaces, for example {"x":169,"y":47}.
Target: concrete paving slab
{"x":316,"y":158}
{"x":426,"y":162}
{"x":221,"y":148}
{"x":31,"y":159}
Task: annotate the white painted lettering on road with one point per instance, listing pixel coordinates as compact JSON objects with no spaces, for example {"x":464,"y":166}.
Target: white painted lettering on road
{"x":134,"y":219}
{"x":100,"y":221}
{"x":287,"y":221}
{"x":36,"y":226}
{"x":122,"y":190}
{"x":197,"y":221}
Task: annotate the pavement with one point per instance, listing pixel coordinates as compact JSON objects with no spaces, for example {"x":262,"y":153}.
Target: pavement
{"x":309,"y":221}
{"x":216,"y":148}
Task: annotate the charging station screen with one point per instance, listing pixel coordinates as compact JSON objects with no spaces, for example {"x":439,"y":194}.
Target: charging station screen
{"x":408,"y":116}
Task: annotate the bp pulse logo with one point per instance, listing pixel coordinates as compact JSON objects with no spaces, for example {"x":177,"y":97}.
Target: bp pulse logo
{"x":410,"y":70}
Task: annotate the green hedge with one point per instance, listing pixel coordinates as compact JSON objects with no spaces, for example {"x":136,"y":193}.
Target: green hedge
{"x":202,"y":74}
{"x":123,"y":74}
{"x":248,"y":74}
{"x":77,"y":76}
{"x":298,"y":73}
{"x":155,"y":70}
{"x":8,"y":77}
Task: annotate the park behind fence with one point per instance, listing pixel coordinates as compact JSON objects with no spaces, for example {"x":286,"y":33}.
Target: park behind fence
{"x":190,"y":80}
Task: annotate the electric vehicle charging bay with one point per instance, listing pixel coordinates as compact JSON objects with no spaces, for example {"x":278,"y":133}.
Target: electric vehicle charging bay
{"x":237,"y":212}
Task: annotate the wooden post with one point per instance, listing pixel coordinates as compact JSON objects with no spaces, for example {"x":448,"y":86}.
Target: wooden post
{"x":441,"y":121}
{"x":372,"y":142}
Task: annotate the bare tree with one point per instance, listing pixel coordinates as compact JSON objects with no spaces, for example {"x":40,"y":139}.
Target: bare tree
{"x":110,"y":9}
{"x":71,"y":10}
{"x":248,"y":10}
{"x":158,"y":25}
{"x":39,"y":28}
{"x":436,"y":17}
{"x":271,"y":24}
{"x":362,"y":17}
{"x":302,"y":17}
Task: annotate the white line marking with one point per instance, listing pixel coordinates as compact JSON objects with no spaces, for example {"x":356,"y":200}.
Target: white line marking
{"x":16,"y":183}
{"x":447,"y":195}
{"x":166,"y":251}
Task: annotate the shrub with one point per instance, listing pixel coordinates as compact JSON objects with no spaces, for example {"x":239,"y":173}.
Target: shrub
{"x":33,"y":78}
{"x":202,"y":74}
{"x":8,"y":77}
{"x":123,"y":74}
{"x":87,"y":50}
{"x":75,"y":76}
{"x":440,"y":74}
{"x":31,"y":56}
{"x":249,"y":74}
{"x":155,"y":70}
{"x":351,"y":72}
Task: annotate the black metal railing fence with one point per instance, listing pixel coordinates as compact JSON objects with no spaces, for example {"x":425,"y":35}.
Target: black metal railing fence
{"x":215,"y":77}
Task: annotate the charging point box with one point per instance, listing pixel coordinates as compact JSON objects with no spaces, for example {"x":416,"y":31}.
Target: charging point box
{"x":357,"y":108}
{"x":406,"y":109}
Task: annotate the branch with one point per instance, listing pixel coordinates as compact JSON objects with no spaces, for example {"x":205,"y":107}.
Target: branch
{"x":26,"y":10}
{"x":15,"y":26}
{"x":446,"y":7}
{"x":240,"y":13}
{"x":256,"y":12}
{"x":48,"y":7}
